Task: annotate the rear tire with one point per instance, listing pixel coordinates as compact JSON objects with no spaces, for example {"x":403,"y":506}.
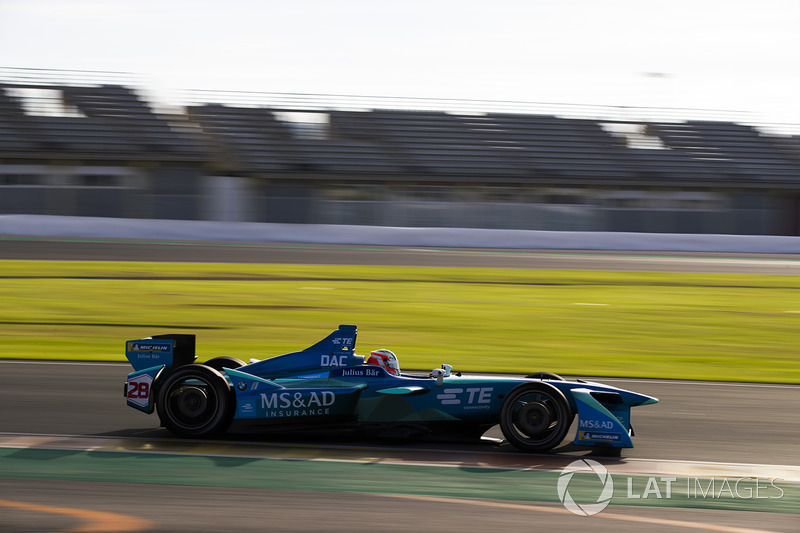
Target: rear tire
{"x":535,"y":417}
{"x":218,"y":363}
{"x":195,"y":401}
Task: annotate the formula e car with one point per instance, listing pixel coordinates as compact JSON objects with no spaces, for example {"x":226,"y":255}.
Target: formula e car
{"x":328,"y":386}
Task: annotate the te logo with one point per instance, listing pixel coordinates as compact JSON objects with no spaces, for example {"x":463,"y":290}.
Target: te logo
{"x":332,"y":360}
{"x":473,"y":396}
{"x":139,"y":390}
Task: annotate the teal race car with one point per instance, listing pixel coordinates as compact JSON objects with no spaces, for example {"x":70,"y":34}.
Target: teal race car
{"x":327,"y":386}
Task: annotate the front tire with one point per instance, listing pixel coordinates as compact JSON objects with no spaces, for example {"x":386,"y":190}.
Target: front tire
{"x":195,"y":401}
{"x":545,"y":375}
{"x":535,"y":417}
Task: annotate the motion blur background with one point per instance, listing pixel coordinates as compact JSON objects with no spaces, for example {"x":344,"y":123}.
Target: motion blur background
{"x":247,"y":111}
{"x":671,"y":117}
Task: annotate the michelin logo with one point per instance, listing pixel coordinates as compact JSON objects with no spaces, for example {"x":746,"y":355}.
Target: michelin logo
{"x":136,"y":347}
{"x":593,"y":435}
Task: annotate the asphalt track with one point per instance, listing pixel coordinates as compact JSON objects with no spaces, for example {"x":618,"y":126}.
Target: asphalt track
{"x":728,"y":422}
{"x":708,"y":423}
{"x":714,"y":424}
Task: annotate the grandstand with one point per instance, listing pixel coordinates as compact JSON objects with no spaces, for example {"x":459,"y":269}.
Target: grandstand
{"x":89,"y":147}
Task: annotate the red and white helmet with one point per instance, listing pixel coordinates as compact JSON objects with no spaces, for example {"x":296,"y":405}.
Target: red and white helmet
{"x":385,"y":359}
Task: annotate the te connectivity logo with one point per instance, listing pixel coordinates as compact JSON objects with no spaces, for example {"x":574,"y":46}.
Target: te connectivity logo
{"x":604,"y":480}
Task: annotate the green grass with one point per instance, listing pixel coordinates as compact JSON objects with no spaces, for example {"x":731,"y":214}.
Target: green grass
{"x":691,"y":326}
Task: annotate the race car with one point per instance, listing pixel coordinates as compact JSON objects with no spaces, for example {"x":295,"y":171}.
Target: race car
{"x":328,"y":386}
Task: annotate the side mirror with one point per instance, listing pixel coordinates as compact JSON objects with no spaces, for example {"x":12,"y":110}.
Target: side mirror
{"x":447,"y":369}
{"x":439,"y":374}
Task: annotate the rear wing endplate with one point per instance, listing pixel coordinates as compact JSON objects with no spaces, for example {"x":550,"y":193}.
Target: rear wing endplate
{"x":170,"y":350}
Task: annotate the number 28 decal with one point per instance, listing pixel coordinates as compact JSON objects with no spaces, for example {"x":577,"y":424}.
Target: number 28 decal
{"x":139,"y":390}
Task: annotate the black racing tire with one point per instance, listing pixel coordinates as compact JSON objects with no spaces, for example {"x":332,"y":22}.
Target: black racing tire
{"x":195,"y":401}
{"x":535,"y":417}
{"x":545,"y":375}
{"x":218,"y":363}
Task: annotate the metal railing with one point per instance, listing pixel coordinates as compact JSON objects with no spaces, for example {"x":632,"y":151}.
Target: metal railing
{"x":79,"y":78}
{"x":329,"y":102}
{"x":310,"y":102}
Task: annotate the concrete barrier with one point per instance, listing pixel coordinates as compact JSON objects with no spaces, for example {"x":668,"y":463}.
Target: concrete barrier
{"x":194,"y":230}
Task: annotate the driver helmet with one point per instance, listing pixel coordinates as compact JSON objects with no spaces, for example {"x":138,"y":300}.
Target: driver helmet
{"x":386,"y":359}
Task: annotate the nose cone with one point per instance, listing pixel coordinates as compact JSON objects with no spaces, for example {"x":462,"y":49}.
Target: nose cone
{"x":637,"y":398}
{"x":628,"y":397}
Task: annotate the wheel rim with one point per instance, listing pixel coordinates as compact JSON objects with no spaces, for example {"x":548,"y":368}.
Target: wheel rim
{"x":191,"y":403}
{"x":535,"y":417}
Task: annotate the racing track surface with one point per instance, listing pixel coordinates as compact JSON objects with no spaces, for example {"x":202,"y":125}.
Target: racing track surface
{"x":727,"y":422}
{"x":722,"y":422}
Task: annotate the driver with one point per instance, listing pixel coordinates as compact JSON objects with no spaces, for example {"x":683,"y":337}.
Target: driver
{"x":385,"y":359}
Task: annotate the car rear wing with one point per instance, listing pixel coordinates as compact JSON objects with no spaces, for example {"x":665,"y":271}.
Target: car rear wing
{"x":171,"y":350}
